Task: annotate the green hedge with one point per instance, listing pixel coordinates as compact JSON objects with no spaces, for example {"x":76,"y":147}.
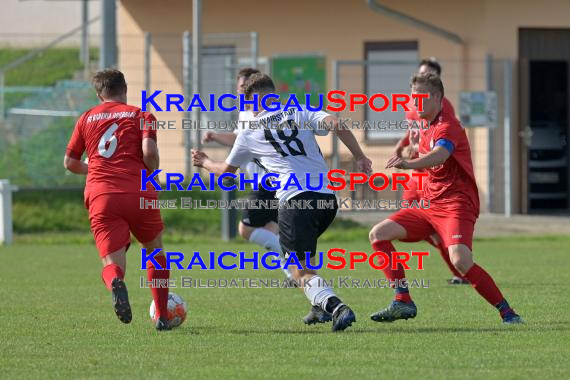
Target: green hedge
{"x":38,"y":160}
{"x":63,"y":211}
{"x":43,"y":70}
{"x":59,"y":215}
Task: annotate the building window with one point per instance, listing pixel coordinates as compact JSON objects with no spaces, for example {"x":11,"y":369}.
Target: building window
{"x":391,"y":65}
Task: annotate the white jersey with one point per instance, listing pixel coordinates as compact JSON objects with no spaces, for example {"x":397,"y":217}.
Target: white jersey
{"x":250,"y":167}
{"x":285,"y":151}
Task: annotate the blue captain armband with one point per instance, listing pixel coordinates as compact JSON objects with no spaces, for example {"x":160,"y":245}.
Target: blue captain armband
{"x":446,"y":144}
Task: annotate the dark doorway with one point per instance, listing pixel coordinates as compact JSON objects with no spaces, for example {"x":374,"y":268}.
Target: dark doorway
{"x":548,"y":154}
{"x":544,"y":59}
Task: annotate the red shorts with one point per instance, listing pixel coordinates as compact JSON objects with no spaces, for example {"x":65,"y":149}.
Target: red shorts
{"x":114,"y":216}
{"x":413,"y":194}
{"x":453,"y":226}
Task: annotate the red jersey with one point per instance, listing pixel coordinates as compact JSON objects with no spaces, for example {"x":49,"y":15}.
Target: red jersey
{"x":452,"y":184}
{"x":412,"y":115}
{"x":111,"y":135}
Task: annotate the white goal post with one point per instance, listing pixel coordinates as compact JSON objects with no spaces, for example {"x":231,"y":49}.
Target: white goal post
{"x":6,"y":226}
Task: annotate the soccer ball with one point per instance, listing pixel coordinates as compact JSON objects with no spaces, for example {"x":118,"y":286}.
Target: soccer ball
{"x":177,"y":310}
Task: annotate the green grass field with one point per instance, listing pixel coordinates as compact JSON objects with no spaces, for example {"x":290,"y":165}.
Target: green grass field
{"x":57,"y":321}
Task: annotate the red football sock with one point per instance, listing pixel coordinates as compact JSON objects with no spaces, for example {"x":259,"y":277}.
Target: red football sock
{"x":387,"y":247}
{"x":484,"y":284}
{"x":159,"y":294}
{"x":402,"y":293}
{"x":403,"y":297}
{"x":110,"y":272}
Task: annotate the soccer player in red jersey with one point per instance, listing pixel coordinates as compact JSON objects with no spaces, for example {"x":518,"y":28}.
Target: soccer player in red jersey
{"x":454,"y":205}
{"x":408,"y":147}
{"x":117,"y":150}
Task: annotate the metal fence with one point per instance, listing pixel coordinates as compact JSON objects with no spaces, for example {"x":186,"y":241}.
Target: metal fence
{"x":43,"y":88}
{"x":164,"y":62}
{"x":492,"y":152}
{"x":45,"y":95}
{"x":38,"y":118}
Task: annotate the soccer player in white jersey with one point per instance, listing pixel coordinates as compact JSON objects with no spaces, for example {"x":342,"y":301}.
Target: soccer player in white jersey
{"x":285,"y":151}
{"x":256,"y":225}
{"x":259,"y":225}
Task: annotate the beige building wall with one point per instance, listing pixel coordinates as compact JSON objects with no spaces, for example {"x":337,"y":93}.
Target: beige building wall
{"x":338,"y":29}
{"x":35,"y":23}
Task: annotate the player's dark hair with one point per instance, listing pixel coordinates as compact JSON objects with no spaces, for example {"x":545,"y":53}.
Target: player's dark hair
{"x":109,"y":83}
{"x":431,"y":63}
{"x":432,"y":81}
{"x":258,"y":83}
{"x":247,"y":72}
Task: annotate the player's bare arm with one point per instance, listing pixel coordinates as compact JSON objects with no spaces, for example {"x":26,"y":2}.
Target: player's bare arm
{"x":150,"y":154}
{"x":75,"y":166}
{"x":226,"y":139}
{"x":201,"y":160}
{"x":347,"y":137}
{"x":434,"y":158}
{"x":404,"y":142}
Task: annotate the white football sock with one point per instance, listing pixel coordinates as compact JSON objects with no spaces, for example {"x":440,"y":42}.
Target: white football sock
{"x":270,"y":241}
{"x":317,"y":292}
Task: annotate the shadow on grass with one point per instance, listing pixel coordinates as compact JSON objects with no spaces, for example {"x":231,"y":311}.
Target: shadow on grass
{"x":190,"y":329}
{"x":380,"y":330}
{"x":504,"y":284}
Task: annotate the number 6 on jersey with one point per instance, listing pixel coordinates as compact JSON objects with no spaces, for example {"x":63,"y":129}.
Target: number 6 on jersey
{"x":108,"y":137}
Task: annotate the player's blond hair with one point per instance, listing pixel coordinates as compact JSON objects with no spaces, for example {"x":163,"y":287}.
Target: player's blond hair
{"x":431,"y":81}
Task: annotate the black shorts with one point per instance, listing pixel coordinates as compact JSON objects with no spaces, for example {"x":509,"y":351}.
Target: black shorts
{"x":299,"y":229}
{"x":261,"y":216}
